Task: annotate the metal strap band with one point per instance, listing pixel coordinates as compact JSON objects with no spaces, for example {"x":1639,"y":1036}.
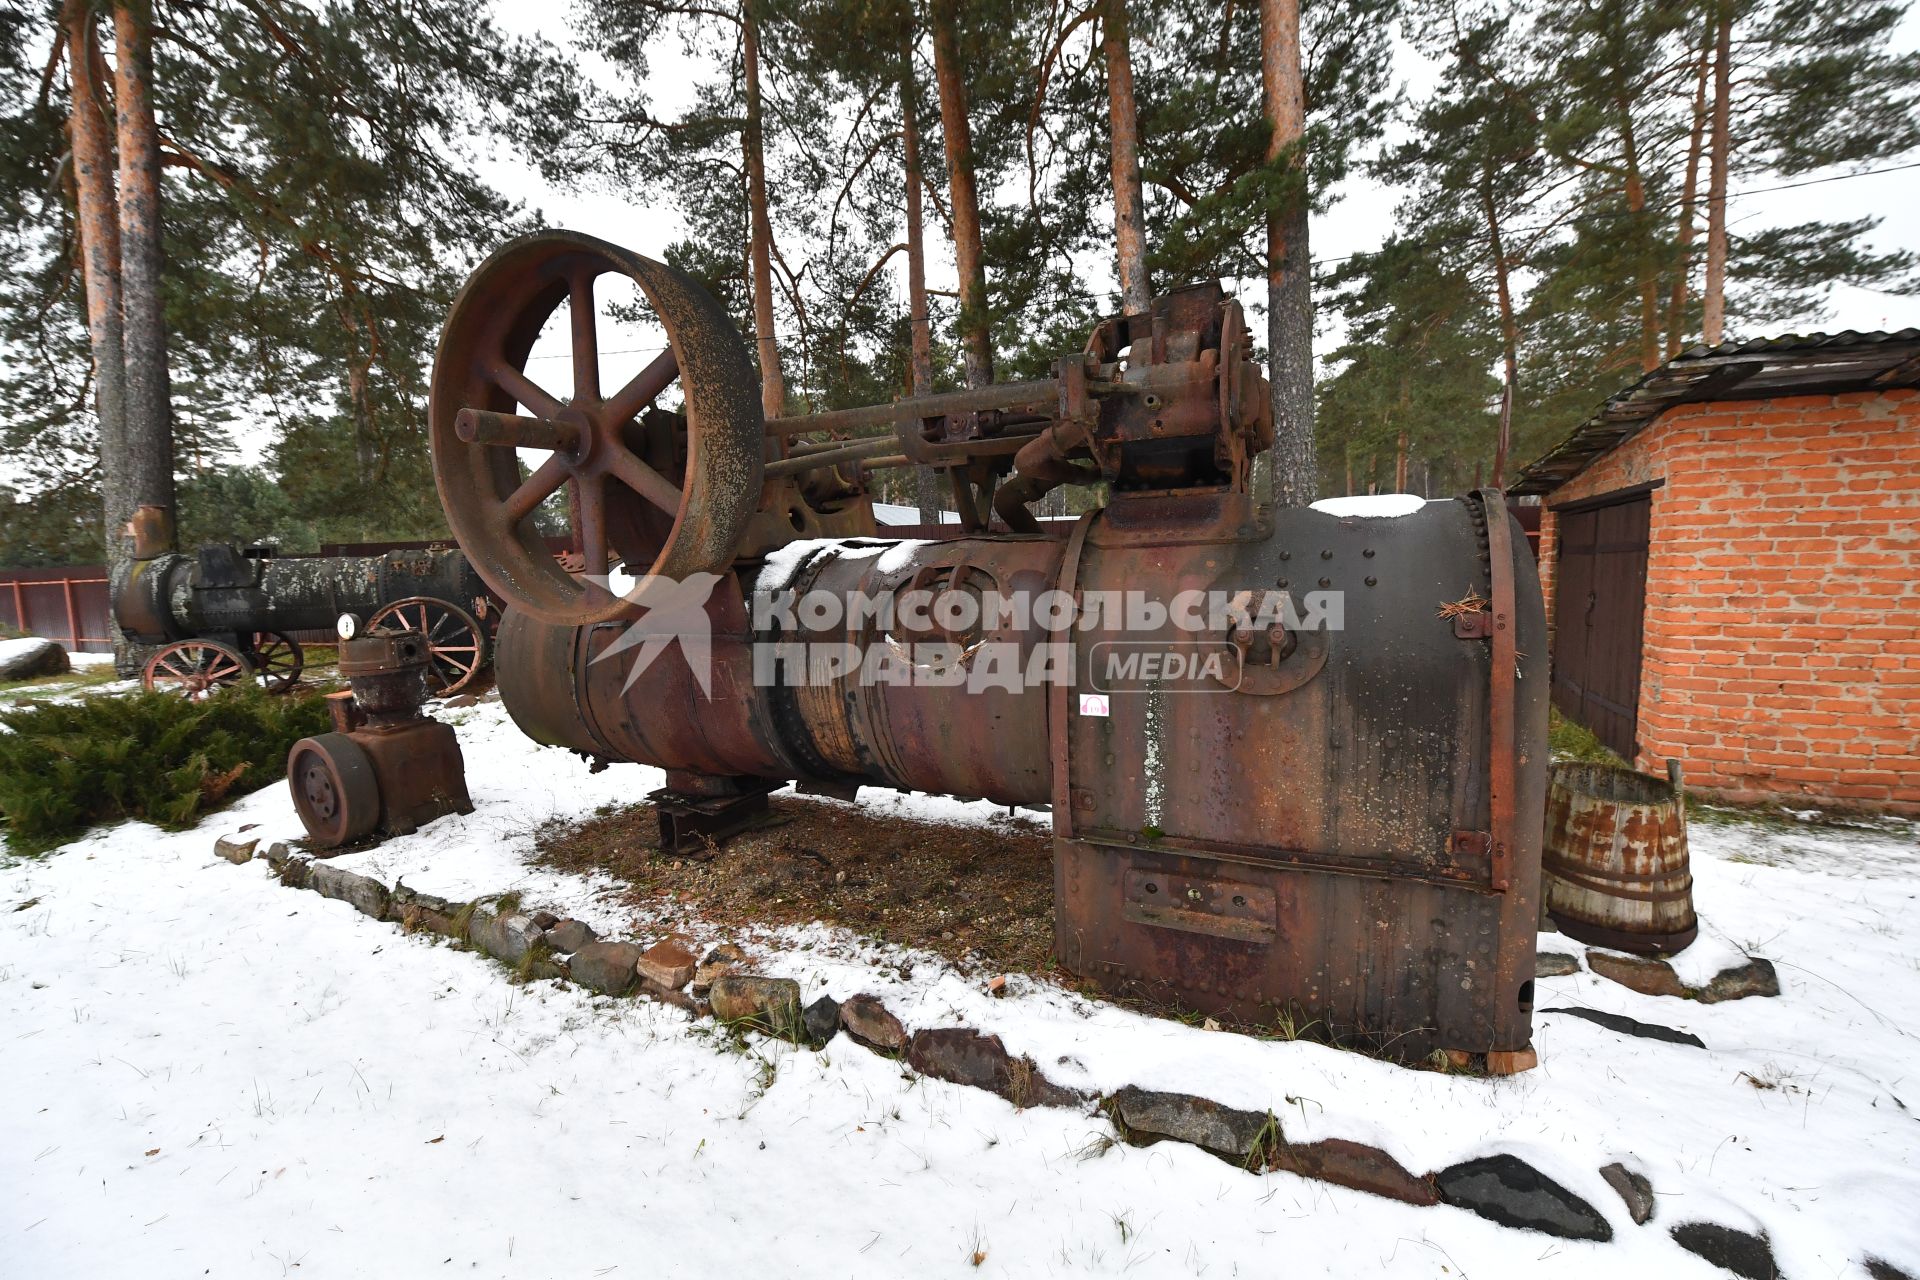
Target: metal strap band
{"x":1057,"y":707}
{"x":1503,"y":767}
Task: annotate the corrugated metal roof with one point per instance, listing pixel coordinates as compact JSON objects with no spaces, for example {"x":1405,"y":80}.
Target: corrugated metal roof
{"x":1799,"y":364}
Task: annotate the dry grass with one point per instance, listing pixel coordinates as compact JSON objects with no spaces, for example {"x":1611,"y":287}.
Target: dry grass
{"x":979,"y":896}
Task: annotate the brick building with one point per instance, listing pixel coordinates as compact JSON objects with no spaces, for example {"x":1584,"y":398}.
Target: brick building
{"x":1731,"y":554}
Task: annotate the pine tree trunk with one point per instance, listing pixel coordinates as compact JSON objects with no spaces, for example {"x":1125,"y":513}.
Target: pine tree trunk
{"x":926,"y":480}
{"x":1403,"y":412}
{"x":1289,"y":271}
{"x":1129,"y":202}
{"x":358,"y":396}
{"x":1509,"y":329}
{"x":773,"y":389}
{"x":1713,"y":299}
{"x":1636,"y":194}
{"x":975,"y":327}
{"x":148,"y":427}
{"x":98,"y":222}
{"x":1689,"y":190}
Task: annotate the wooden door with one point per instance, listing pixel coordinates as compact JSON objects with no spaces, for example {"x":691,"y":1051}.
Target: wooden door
{"x":1599,"y":611}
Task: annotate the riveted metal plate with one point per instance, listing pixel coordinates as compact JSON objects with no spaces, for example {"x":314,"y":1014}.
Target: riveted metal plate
{"x":1196,"y":904}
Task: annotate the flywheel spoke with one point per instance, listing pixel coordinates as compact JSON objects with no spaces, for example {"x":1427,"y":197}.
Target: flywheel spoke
{"x":586,"y":344}
{"x":641,"y":390}
{"x":523,"y":389}
{"x":591,"y":497}
{"x":643,"y":479}
{"x":535,"y":489}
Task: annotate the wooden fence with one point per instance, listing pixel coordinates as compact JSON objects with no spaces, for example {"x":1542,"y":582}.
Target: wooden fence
{"x":67,"y":603}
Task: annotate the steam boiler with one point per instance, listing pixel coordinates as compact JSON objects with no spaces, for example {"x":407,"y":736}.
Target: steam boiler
{"x":1294,"y":762}
{"x":223,"y":615}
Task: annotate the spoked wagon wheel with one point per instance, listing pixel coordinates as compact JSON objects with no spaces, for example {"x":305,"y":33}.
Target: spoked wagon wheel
{"x":277,"y":661}
{"x":456,"y":643}
{"x":334,"y":789}
{"x":195,"y":668}
{"x":660,"y":494}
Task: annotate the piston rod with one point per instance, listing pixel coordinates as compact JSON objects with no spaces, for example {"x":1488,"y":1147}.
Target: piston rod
{"x":833,"y":457}
{"x":1008,"y":395}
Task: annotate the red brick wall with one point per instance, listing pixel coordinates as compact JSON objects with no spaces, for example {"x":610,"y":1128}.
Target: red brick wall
{"x":1782,"y":650}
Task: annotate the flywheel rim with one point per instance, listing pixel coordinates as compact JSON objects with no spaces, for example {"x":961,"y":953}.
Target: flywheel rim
{"x":480,"y":366}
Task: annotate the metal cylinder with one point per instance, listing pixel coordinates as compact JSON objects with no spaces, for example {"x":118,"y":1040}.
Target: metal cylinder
{"x":387,"y":671}
{"x":1616,"y":868}
{"x":217,"y":589}
{"x":563,"y":686}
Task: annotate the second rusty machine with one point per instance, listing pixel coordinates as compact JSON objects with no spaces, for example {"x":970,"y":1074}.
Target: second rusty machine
{"x":1348,"y":831}
{"x":226,"y":615}
{"x":387,"y":767}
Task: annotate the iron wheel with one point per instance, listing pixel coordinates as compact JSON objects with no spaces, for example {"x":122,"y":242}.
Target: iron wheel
{"x":334,"y":789}
{"x":195,"y":668}
{"x":456,"y":642}
{"x":277,"y":661}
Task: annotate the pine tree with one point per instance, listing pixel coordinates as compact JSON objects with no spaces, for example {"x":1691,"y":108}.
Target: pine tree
{"x":1411,"y":403}
{"x":1799,"y":87}
{"x":1476,"y":163}
{"x":320,"y":209}
{"x":1228,"y":193}
{"x":1129,"y":211}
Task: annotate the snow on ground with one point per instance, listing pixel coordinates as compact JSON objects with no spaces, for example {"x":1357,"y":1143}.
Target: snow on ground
{"x":208,"y":1073}
{"x":63,"y":691}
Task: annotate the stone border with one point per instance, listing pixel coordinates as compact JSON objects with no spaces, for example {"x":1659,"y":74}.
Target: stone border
{"x":539,"y":945}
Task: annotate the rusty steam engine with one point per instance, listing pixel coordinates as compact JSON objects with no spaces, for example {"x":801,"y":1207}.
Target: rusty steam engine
{"x":224,"y":614}
{"x":1344,"y":823}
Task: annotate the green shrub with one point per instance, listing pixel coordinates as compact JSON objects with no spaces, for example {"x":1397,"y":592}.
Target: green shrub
{"x":68,"y":766}
{"x":1569,"y":741}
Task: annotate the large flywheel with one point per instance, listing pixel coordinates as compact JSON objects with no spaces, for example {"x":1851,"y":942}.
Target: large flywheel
{"x":666,"y":493}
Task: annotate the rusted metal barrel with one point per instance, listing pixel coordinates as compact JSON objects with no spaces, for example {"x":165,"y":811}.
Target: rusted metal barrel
{"x":1615,"y":863}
